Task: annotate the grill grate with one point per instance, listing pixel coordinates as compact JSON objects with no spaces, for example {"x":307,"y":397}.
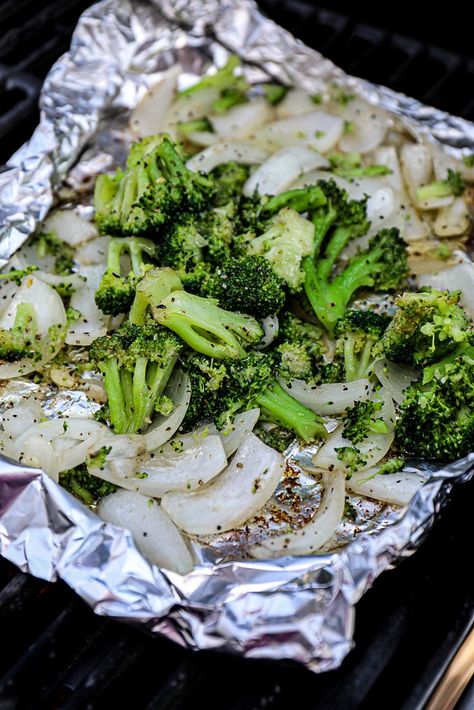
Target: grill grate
{"x":57,"y":654}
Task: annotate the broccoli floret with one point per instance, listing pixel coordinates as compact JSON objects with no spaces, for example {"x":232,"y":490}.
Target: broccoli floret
{"x":382,"y":266}
{"x":137,"y":362}
{"x":256,"y":210}
{"x":88,"y":488}
{"x":393,"y":465}
{"x":358,"y":336}
{"x":155,"y":188}
{"x":181,"y":246}
{"x":437,"y":415}
{"x":217,"y":228}
{"x":274,"y":93}
{"x":362,"y":419}
{"x":426,"y":327}
{"x":453,"y":185}
{"x":251,"y":383}
{"x":151,"y":290}
{"x":17,"y":275}
{"x":352,"y":458}
{"x":207,"y":378}
{"x":117,"y":290}
{"x":300,"y":349}
{"x":275,"y":436}
{"x":21,"y":340}
{"x":349,"y":165}
{"x":231,"y":84}
{"x":49,"y":245}
{"x":229,"y":179}
{"x":205,"y":327}
{"x":287,"y":241}
{"x":246,"y":284}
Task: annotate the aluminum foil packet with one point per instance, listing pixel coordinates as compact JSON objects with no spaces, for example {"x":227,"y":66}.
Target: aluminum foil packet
{"x":294,"y":608}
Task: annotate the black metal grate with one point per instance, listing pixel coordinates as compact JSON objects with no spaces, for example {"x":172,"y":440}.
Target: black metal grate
{"x":56,"y":654}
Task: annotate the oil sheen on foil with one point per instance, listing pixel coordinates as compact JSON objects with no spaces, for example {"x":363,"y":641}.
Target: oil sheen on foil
{"x":299,"y":608}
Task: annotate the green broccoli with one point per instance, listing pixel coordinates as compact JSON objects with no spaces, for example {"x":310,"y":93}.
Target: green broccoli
{"x":274,"y":93}
{"x":181,"y":246}
{"x":300,"y":349}
{"x":358,"y":335}
{"x":361,"y":420}
{"x":349,"y":165}
{"x":207,"y":378}
{"x":17,"y":275}
{"x":229,"y":179}
{"x":49,"y":245}
{"x":137,"y":362}
{"x":352,"y":458}
{"x":255,"y":211}
{"x":287,"y":241}
{"x":246,"y":284}
{"x":155,"y":188}
{"x":427,"y":326}
{"x":216,"y":227}
{"x":196,"y":126}
{"x":437,"y":415}
{"x":275,"y":436}
{"x":232,"y":86}
{"x":21,"y":340}
{"x":116,"y":291}
{"x":83,"y":485}
{"x":453,"y":185}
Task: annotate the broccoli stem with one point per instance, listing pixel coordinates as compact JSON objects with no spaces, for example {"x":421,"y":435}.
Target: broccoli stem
{"x":283,"y":409}
{"x":438,"y":188}
{"x":152,"y":289}
{"x":115,"y":394}
{"x":149,"y":381}
{"x":299,"y":199}
{"x":222,"y":79}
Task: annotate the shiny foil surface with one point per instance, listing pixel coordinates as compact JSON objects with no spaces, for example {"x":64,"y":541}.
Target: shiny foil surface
{"x":299,"y":608}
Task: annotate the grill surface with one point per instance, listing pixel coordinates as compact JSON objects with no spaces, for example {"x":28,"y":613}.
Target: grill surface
{"x":57,"y":654}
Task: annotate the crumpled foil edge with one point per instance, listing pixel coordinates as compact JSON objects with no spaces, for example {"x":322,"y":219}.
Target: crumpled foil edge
{"x":299,"y":608}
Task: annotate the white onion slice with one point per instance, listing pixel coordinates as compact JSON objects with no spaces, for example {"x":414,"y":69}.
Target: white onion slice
{"x":394,"y":378}
{"x":148,"y":116}
{"x":92,"y":323}
{"x":239,"y":121}
{"x":296,"y":102}
{"x":369,"y":127}
{"x":22,"y":416}
{"x":452,"y":220}
{"x":69,"y":227}
{"x":189,"y":107}
{"x":417,"y":169}
{"x":163,"y":428}
{"x":242,"y":152}
{"x":395,"y":488}
{"x":242,"y":424}
{"x":373,"y":448}
{"x":459,"y":277}
{"x":318,"y":129}
{"x":93,"y":252}
{"x":155,"y":535}
{"x":277,"y":173}
{"x":202,"y":138}
{"x":387,"y":155}
{"x":49,"y":312}
{"x":237,"y":494}
{"x":329,"y":399}
{"x":270,"y":327}
{"x":317,"y":532}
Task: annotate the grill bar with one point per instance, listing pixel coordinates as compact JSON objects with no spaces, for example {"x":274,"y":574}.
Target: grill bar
{"x":57,"y":654}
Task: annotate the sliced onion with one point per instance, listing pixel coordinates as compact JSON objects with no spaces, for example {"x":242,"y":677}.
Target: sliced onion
{"x":369,"y":127}
{"x":236,"y":495}
{"x":243,"y":152}
{"x":417,"y":168}
{"x":459,"y":277}
{"x":373,"y":448}
{"x":296,"y":102}
{"x":241,"y":120}
{"x":242,"y":424}
{"x":270,"y":327}
{"x":394,"y":378}
{"x":22,"y":416}
{"x":69,"y":227}
{"x":75,"y":281}
{"x":452,"y":220}
{"x":155,"y":535}
{"x":318,"y":129}
{"x":163,"y":428}
{"x":387,"y":155}
{"x":93,"y":252}
{"x":280,"y":170}
{"x":125,"y":452}
{"x":202,"y":138}
{"x":148,"y":116}
{"x":395,"y":488}
{"x":49,"y":312}
{"x":329,"y":399}
{"x":92,"y":323}
{"x":317,"y":532}
{"x":189,"y":107}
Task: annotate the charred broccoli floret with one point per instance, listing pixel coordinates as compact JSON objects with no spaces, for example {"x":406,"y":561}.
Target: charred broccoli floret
{"x":116,"y":289}
{"x":358,"y":336}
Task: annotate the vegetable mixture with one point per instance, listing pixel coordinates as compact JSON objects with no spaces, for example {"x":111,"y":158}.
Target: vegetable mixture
{"x":268,"y":266}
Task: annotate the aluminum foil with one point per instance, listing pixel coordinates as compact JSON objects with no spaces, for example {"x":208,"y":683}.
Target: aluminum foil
{"x":299,"y":608}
